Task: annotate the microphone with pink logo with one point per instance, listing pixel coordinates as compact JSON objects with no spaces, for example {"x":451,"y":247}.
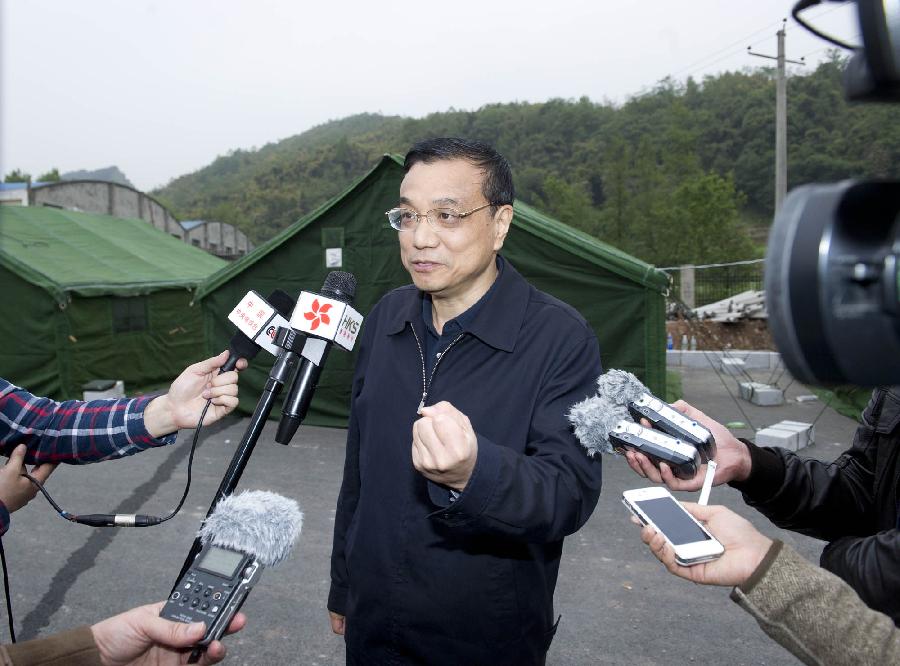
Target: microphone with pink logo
{"x":325,"y":318}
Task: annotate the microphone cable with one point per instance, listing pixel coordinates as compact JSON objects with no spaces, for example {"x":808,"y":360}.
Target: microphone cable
{"x":124,"y":519}
{"x":103,"y":519}
{"x":9,"y":615}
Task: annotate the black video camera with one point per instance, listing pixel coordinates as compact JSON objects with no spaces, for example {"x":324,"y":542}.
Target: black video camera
{"x":832,"y":282}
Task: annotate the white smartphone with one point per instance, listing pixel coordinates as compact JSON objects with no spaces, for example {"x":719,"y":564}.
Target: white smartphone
{"x":657,"y":507}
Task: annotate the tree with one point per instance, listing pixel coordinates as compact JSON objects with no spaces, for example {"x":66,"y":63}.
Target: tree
{"x":705,"y":226}
{"x":570,"y":203}
{"x":17,"y":176}
{"x":51,"y":176}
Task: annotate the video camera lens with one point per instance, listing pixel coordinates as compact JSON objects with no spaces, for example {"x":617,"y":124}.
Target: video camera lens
{"x":832,"y":283}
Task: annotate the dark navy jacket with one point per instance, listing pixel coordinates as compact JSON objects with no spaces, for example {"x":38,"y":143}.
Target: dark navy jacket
{"x":424,"y":580}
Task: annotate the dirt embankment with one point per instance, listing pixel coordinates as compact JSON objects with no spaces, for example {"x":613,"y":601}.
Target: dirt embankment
{"x":715,"y":336}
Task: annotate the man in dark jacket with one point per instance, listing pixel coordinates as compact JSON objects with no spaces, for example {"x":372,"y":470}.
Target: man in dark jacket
{"x":852,"y":502}
{"x":462,"y":475}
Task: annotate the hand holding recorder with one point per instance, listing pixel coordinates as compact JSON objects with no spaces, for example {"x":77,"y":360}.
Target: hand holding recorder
{"x":732,"y":456}
{"x":625,"y":417}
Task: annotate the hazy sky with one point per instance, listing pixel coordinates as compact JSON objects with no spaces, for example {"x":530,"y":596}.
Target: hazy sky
{"x":161,"y":87}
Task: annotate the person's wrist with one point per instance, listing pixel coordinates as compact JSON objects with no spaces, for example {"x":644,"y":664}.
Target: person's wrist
{"x":100,"y":631}
{"x":757,"y":554}
{"x":744,"y":464}
{"x":158,"y":418}
{"x":760,"y":553}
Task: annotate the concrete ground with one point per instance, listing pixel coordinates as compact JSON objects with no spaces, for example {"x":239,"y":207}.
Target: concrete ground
{"x":618,"y":605}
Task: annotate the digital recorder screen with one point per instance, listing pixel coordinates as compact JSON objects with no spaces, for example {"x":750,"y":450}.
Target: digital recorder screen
{"x":222,"y":562}
{"x":672,"y":520}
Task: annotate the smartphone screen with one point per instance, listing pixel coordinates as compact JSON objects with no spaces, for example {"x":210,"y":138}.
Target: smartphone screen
{"x":672,"y":520}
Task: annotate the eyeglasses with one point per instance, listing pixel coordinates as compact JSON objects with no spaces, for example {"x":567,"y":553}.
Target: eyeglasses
{"x":440,"y":219}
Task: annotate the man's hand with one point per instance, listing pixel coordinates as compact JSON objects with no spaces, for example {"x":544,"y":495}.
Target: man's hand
{"x":444,"y":446}
{"x":732,"y":457}
{"x":140,"y":636}
{"x":338,"y":623}
{"x":182,"y":405}
{"x":745,"y":548}
{"x":15,"y":490}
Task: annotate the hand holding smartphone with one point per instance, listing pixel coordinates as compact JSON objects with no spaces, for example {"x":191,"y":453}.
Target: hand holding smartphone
{"x":657,"y":507}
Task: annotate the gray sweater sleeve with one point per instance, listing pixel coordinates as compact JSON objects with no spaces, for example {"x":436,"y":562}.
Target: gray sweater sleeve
{"x":814,"y":614}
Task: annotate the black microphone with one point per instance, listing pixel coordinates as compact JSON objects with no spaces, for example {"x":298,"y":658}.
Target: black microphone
{"x":242,"y":346}
{"x":339,"y":286}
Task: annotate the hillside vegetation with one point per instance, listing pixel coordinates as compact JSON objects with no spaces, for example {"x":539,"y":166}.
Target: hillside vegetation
{"x":681,"y":174}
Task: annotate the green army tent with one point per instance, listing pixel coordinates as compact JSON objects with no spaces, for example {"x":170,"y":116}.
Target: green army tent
{"x":96,"y":297}
{"x":622,"y":297}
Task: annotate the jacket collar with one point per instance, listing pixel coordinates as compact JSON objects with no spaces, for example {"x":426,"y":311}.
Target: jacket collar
{"x":498,"y":321}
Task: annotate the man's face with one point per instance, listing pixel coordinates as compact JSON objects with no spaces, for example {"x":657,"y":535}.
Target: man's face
{"x":458,"y":263}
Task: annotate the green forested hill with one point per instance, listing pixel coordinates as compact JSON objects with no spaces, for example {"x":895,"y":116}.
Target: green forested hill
{"x":676,"y":175}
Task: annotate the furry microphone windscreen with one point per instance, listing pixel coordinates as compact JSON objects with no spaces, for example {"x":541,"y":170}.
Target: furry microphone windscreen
{"x":620,"y":386}
{"x":593,"y":419}
{"x":256,"y":522}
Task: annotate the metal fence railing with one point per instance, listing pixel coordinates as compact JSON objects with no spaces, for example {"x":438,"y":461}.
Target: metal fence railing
{"x":717,"y":282}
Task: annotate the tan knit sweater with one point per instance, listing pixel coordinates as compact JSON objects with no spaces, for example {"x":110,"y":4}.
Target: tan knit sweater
{"x":815,"y":614}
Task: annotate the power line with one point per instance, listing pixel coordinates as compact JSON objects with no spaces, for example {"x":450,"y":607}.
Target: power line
{"x":819,"y":15}
{"x":742,"y":40}
{"x":727,"y":51}
{"x":830,"y":46}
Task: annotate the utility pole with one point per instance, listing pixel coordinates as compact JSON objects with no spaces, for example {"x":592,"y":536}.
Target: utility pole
{"x":780,"y":117}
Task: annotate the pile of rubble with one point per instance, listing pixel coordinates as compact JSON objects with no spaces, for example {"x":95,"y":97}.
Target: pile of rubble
{"x":746,"y":305}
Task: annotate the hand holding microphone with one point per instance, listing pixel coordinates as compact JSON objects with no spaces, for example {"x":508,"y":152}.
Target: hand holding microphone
{"x":140,"y":636}
{"x":187,"y":396}
{"x":256,"y":320}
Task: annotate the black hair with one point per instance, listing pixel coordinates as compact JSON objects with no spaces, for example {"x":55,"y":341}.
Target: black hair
{"x":497,"y":186}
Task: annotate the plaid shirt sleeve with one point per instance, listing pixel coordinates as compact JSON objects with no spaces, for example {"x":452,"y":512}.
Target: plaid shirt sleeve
{"x":73,"y":431}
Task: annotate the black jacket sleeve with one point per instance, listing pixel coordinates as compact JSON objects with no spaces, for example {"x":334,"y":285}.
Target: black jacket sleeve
{"x":822,"y":500}
{"x":851,"y":502}
{"x":871,"y":566}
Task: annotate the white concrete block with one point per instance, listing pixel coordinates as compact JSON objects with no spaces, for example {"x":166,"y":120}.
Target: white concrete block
{"x":746,"y":389}
{"x":761,"y":394}
{"x":753,"y":360}
{"x":767,"y":396}
{"x":806,"y":432}
{"x":775,"y":436}
{"x":733,"y":366}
